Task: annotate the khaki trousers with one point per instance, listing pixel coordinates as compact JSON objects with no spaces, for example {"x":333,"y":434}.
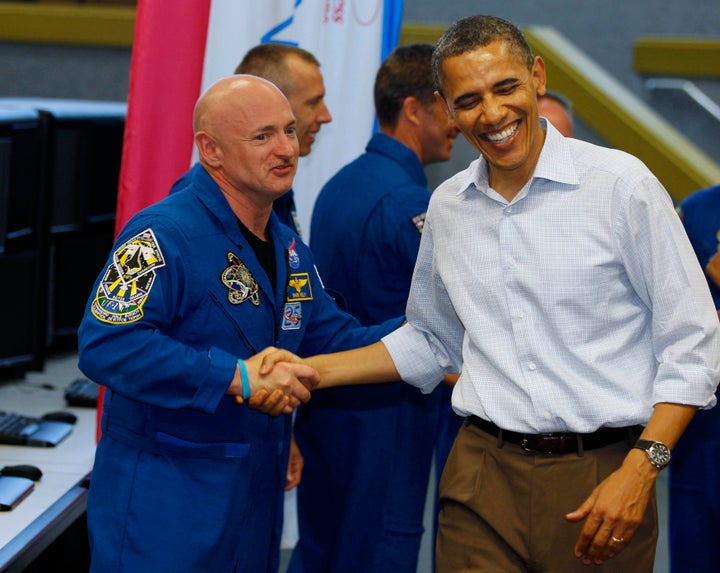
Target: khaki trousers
{"x":503,"y":509}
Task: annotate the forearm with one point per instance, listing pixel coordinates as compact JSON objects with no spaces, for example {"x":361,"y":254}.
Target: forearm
{"x":666,"y":425}
{"x":367,"y":365}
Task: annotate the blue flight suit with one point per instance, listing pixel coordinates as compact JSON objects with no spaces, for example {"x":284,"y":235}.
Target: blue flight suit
{"x":283,"y":206}
{"x":185,"y":479}
{"x":694,"y":480}
{"x":367,"y":450}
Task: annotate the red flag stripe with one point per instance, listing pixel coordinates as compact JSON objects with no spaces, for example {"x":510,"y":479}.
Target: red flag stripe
{"x":165,"y":80}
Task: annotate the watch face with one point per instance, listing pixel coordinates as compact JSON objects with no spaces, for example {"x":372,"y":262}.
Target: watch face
{"x":659,"y":454}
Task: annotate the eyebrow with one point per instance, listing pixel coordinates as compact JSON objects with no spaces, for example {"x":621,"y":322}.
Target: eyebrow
{"x":273,"y":127}
{"x":498,"y":85}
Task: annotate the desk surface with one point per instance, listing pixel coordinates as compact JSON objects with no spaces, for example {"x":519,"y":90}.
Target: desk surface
{"x":66,"y":467}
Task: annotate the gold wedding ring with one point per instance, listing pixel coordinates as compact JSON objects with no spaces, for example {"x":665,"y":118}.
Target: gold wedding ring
{"x":617,"y":539}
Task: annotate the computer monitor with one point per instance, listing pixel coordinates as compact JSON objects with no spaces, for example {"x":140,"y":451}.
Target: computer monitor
{"x":83,"y":146}
{"x":23,"y":245}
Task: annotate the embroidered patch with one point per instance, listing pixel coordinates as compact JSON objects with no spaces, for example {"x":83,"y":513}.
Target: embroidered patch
{"x":299,"y":287}
{"x":419,"y":222}
{"x":241,"y":284}
{"x":293,"y":257}
{"x":127,"y":282}
{"x":292,"y":316}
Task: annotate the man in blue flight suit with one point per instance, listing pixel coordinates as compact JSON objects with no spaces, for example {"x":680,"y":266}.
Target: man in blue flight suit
{"x":185,"y":479}
{"x":694,"y":481}
{"x":368,"y":450}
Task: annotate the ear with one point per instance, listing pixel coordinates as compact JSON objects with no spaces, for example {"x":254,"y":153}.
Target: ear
{"x":208,"y":149}
{"x":539,"y":76}
{"x":411,"y":109}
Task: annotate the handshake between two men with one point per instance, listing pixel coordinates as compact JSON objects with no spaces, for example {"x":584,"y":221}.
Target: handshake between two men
{"x":276,"y":381}
{"x":273,"y":381}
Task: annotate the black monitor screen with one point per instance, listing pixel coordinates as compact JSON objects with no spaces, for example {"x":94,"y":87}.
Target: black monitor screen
{"x":19,"y":186}
{"x":86,"y":172}
{"x":5,"y":145}
{"x":66,"y":208}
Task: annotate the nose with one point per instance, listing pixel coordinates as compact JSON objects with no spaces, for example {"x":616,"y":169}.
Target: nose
{"x":492,"y":110}
{"x":288,"y":145}
{"x":324,"y":114}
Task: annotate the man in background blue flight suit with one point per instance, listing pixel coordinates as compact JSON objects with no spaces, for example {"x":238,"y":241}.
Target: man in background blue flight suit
{"x":368,"y":450}
{"x":695,"y":469}
{"x":296,"y":72}
{"x":185,"y":479}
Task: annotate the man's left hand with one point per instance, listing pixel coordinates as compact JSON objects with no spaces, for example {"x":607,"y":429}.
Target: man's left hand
{"x":614,"y":510}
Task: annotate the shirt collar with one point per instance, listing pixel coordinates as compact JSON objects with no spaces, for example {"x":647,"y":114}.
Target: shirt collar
{"x":554,"y":164}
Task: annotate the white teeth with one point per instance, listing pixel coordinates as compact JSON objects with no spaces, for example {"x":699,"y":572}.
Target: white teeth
{"x":504,"y":134}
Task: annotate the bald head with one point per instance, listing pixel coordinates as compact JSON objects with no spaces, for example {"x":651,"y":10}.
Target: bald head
{"x":231,"y":96}
{"x":245,"y":135}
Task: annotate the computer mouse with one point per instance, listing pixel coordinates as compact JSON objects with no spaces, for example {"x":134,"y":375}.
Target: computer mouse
{"x":60,"y":416}
{"x":22,"y":470}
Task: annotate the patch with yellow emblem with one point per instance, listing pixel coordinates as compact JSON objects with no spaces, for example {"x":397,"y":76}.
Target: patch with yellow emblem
{"x":299,"y":287}
{"x":241,"y":284}
{"x":128,"y":280}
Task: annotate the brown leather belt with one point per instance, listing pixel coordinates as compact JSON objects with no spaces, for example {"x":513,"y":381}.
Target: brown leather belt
{"x":559,"y":442}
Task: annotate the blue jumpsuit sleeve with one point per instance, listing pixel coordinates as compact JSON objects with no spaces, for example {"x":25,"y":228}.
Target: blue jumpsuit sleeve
{"x":139,"y":353}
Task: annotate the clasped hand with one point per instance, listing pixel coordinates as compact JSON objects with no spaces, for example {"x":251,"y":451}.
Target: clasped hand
{"x":279,"y":382}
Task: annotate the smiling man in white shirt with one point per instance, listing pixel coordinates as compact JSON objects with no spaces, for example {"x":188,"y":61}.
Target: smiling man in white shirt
{"x":557,"y":277}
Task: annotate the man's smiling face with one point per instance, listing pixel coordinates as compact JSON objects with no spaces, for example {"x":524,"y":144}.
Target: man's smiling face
{"x":492,"y":95}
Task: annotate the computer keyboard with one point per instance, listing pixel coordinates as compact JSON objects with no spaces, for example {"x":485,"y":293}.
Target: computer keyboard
{"x":82,"y":392}
{"x":17,"y":429}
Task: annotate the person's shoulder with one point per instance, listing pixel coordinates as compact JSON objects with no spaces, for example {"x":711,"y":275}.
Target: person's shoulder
{"x":365,"y":179}
{"x":406,"y":202}
{"x":592,"y":158}
{"x":180,"y":213}
{"x":700,"y":204}
{"x":701,"y":197}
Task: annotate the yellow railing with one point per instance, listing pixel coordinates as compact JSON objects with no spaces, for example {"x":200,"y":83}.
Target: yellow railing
{"x":86,"y":25}
{"x":687,"y":57}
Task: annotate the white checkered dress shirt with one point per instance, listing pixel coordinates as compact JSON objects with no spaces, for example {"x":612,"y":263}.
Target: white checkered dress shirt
{"x":577,"y":305}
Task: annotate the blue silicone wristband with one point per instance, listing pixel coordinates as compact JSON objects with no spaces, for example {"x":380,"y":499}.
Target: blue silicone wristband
{"x":244,"y":378}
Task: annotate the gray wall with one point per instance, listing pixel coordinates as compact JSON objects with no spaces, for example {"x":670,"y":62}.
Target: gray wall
{"x":28,"y":70}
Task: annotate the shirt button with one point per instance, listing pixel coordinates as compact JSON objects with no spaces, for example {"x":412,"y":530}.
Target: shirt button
{"x":548,"y":416}
{"x":532,"y":366}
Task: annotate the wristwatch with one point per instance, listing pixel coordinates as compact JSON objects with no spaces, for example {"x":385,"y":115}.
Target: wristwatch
{"x":657,"y":452}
